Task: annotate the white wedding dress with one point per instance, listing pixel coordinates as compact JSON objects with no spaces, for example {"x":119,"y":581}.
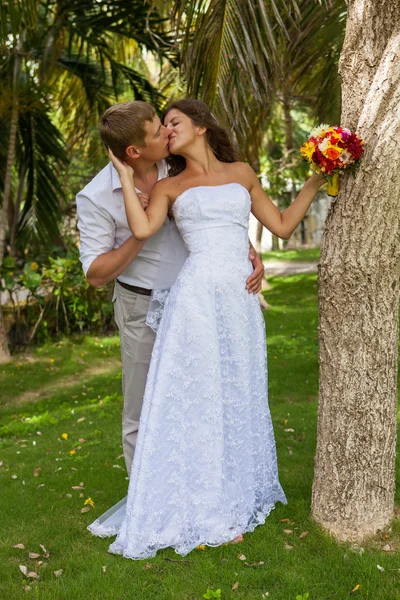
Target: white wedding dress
{"x":205,"y":467}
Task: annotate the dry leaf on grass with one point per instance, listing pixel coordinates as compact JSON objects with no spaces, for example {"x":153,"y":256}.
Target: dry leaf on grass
{"x":33,"y":555}
{"x":58,"y":573}
{"x":85,"y":509}
{"x":303,"y":534}
{"x":19,"y":546}
{"x":33,"y":575}
{"x":356,"y":588}
{"x":45,"y":553}
{"x":235,"y":585}
{"x":27,"y":588}
{"x":288,"y":531}
{"x":40,"y":485}
{"x":23,"y":570}
{"x":81,"y":419}
{"x":104,"y":568}
{"x":36,"y":472}
{"x":14,"y":476}
{"x":255,"y":564}
{"x":288,"y":547}
{"x":387,"y":548}
{"x":381,"y":569}
{"x":241,"y":557}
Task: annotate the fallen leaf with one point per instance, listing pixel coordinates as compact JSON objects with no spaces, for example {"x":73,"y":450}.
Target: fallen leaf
{"x":255,"y":564}
{"x":68,"y":495}
{"x":27,"y":588}
{"x":77,"y":487}
{"x":81,"y":440}
{"x":285,"y":421}
{"x":14,"y":476}
{"x":1,"y":463}
{"x":33,"y":575}
{"x":81,"y":419}
{"x":45,"y":553}
{"x":40,"y":485}
{"x":58,"y":573}
{"x":104,"y":568}
{"x":85,"y":509}
{"x":81,"y":495}
{"x":288,"y":531}
{"x":289,"y":430}
{"x":23,"y":570}
{"x":235,"y":585}
{"x":241,"y":557}
{"x":284,"y":521}
{"x":119,"y":456}
{"x":381,"y":569}
{"x":148,"y":566}
{"x":303,"y":534}
{"x":36,"y":472}
{"x":387,"y":548}
{"x":19,"y":546}
{"x":33,"y":555}
{"x":39,"y":563}
{"x":117,"y":467}
{"x":64,"y":436}
{"x":288,"y":547}
{"x":356,"y":588}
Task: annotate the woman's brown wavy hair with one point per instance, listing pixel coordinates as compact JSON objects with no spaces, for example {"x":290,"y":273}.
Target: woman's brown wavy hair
{"x":217,"y":137}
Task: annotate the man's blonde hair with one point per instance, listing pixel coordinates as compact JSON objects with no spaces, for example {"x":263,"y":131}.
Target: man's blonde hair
{"x":122,"y":125}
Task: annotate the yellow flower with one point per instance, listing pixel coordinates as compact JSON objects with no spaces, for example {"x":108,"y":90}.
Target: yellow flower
{"x":51,"y":360}
{"x":307,"y":150}
{"x":202,"y":547}
{"x":72,"y":452}
{"x":89,"y":501}
{"x":34,"y":266}
{"x":356,"y":588}
{"x":64,"y":436}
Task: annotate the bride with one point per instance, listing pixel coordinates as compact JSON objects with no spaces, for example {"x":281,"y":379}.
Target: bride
{"x":205,"y":469}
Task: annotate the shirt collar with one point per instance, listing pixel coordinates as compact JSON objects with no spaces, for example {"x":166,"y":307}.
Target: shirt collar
{"x":116,"y":182}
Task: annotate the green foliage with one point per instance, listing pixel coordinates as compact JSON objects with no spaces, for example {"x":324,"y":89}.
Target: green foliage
{"x":212,"y":594}
{"x":59,"y":300}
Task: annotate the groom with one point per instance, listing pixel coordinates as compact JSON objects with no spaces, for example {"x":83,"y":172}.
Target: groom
{"x":108,"y":251}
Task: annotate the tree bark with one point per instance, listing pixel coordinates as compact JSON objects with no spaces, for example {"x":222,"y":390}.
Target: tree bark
{"x":353,"y":490}
{"x":4,"y":351}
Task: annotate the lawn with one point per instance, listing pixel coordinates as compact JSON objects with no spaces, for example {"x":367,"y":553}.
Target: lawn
{"x":60,"y":430}
{"x":306,"y":255}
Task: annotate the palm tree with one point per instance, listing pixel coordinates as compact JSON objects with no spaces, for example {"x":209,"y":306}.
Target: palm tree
{"x":55,"y":54}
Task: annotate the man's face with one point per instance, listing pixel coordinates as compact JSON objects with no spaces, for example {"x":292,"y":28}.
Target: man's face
{"x":156,"y":140}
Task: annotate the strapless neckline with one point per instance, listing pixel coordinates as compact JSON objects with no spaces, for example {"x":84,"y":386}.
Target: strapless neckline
{"x":195,"y":187}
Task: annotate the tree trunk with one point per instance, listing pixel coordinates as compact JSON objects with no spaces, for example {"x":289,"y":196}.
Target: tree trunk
{"x":4,"y":351}
{"x":353,"y":491}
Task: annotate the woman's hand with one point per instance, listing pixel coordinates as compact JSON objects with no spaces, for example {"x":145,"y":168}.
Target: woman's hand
{"x":124,"y":170}
{"x":318,"y":178}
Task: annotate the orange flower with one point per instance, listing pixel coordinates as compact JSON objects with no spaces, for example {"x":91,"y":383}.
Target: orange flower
{"x":332,"y":153}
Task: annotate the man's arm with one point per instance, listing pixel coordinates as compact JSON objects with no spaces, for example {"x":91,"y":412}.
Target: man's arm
{"x":100,"y":261}
{"x":109,"y":265}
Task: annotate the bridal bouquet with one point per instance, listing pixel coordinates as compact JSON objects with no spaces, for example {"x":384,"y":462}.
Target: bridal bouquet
{"x":329,"y":150}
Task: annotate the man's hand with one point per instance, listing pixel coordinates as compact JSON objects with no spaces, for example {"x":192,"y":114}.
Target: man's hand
{"x":253,"y":283}
{"x":144,"y":199}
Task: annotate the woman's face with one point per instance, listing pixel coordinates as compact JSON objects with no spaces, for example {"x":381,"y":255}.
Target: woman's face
{"x":182,"y":132}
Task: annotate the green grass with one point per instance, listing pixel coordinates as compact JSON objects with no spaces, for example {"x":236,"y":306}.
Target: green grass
{"x":307,"y":255}
{"x":73,"y":387}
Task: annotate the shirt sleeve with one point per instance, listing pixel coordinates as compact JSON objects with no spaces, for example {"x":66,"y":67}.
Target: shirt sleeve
{"x":97,"y":230}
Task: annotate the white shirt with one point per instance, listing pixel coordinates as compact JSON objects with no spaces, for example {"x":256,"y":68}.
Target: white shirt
{"x":103,"y":226}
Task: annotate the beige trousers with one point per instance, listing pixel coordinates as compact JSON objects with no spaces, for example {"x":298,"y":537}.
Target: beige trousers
{"x":137,"y":339}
